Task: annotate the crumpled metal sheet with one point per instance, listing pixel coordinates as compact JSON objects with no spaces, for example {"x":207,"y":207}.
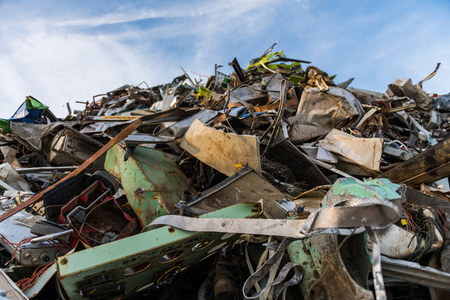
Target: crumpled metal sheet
{"x":404,"y":87}
{"x":31,"y":135}
{"x":363,"y":153}
{"x":12,"y":178}
{"x":318,"y":112}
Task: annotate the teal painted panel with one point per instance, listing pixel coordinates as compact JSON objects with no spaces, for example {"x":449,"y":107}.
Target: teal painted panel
{"x":158,"y":248}
{"x":152,"y":181}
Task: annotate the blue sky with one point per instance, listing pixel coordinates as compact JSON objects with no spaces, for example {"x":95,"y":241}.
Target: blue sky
{"x":67,"y":51}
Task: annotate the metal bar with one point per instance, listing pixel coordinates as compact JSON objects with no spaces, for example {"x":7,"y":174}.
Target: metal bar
{"x":75,"y":172}
{"x":237,"y":68}
{"x":44,"y":169}
{"x":415,"y":273}
{"x":278,"y":227}
{"x":53,"y":236}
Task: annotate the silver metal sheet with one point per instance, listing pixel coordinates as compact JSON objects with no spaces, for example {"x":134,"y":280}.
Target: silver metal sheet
{"x":319,"y":112}
{"x":415,"y":273}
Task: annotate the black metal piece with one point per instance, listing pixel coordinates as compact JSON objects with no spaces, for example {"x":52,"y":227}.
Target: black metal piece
{"x":237,"y":68}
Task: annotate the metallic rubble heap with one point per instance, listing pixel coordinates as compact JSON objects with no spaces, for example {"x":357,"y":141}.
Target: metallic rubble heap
{"x":271,"y":182}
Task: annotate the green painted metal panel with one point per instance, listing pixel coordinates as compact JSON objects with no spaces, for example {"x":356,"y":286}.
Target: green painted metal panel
{"x":152,"y":181}
{"x":381,"y":188}
{"x":155,"y":247}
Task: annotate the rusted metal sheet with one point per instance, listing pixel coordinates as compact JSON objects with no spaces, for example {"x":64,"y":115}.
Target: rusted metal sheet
{"x":220,"y":150}
{"x":75,"y":172}
{"x":330,"y":273}
{"x":244,"y":186}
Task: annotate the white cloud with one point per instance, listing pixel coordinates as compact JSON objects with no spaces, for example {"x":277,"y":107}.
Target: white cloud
{"x":57,"y":61}
{"x":68,"y":55}
{"x":57,"y":67}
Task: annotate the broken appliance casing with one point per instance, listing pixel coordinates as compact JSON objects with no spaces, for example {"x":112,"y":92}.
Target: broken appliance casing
{"x":71,"y":147}
{"x":147,"y":260}
{"x":29,"y":255}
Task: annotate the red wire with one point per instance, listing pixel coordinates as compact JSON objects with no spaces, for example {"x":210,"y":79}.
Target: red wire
{"x":59,"y":247}
{"x":442,"y":217}
{"x":24,"y":241}
{"x":26,"y":283}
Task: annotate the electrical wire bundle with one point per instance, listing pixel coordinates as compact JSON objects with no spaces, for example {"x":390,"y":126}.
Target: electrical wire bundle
{"x":26,"y":283}
{"x":428,"y":226}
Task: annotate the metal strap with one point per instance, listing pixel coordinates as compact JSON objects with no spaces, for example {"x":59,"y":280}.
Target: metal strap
{"x":378,"y":281}
{"x":370,"y":212}
{"x":278,"y":283}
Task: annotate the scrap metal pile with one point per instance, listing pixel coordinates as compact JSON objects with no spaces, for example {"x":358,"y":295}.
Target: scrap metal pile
{"x":270,"y":182}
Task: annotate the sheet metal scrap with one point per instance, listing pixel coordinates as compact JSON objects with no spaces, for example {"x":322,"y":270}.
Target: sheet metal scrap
{"x":320,"y":111}
{"x":152,"y":182}
{"x":193,"y":155}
